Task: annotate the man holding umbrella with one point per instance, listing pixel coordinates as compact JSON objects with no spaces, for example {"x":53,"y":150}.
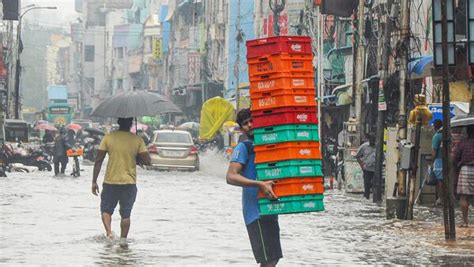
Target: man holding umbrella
{"x":119,"y":186}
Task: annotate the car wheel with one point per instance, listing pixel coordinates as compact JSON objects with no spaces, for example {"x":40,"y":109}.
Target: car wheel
{"x":196,"y":167}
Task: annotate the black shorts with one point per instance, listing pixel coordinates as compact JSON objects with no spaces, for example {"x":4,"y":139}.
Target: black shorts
{"x":264,"y":235}
{"x":113,"y":194}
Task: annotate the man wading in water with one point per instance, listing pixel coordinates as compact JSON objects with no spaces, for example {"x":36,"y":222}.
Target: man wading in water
{"x":264,"y":231}
{"x":120,"y":179}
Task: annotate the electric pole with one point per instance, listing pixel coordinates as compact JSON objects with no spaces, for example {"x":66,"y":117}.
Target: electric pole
{"x":402,"y":120}
{"x":277,"y":6}
{"x":414,"y":168}
{"x":359,"y":66}
{"x":448,"y":203}
{"x":239,"y":38}
{"x":382,"y":106}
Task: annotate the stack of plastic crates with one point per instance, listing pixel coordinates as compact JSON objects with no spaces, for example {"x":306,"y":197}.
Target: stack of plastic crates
{"x":287,"y":148}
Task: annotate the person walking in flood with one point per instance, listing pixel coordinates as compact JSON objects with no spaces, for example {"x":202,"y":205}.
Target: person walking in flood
{"x":263,"y":231}
{"x":366,"y":158}
{"x":464,"y":160}
{"x":60,"y":147}
{"x":119,"y":186}
{"x":436,"y":154}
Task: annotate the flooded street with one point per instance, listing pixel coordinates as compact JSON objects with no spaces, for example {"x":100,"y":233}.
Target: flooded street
{"x":183,"y":218}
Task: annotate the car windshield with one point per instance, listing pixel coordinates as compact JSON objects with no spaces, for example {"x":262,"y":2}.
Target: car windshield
{"x":173,"y":137}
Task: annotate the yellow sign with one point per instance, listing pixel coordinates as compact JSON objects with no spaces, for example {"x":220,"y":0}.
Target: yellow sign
{"x":157,"y":49}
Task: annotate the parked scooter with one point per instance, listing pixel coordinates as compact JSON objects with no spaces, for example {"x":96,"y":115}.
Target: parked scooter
{"x":48,"y":150}
{"x":20,"y":155}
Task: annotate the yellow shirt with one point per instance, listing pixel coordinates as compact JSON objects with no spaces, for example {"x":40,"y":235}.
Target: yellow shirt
{"x":123,"y":148}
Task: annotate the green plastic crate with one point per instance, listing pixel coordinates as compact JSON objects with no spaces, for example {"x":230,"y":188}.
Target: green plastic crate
{"x":292,"y":204}
{"x":289,"y":168}
{"x":286,"y":133}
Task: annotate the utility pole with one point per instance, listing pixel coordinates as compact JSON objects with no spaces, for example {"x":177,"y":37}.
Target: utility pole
{"x":382,"y":107}
{"x":448,"y":203}
{"x":10,"y":69}
{"x":19,"y":49}
{"x":18,"y":69}
{"x":471,"y":106}
{"x":414,"y":168}
{"x":277,"y":6}
{"x":402,"y":120}
{"x":360,"y":65}
{"x":237,"y":59}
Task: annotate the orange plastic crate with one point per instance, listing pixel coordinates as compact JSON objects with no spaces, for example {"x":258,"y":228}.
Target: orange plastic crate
{"x":287,"y":151}
{"x":281,"y":80}
{"x":280,"y":63}
{"x":279,"y":44}
{"x":283,"y":98}
{"x":75,"y":152}
{"x":296,"y":186}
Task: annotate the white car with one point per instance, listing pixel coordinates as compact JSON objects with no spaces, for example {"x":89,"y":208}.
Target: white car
{"x":173,"y":150}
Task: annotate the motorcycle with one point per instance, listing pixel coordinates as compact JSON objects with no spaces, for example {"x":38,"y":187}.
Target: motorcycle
{"x":75,"y":153}
{"x":48,"y":150}
{"x":35,"y":158}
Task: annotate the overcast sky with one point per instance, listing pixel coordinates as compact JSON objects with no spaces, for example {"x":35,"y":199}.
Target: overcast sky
{"x":59,"y":18}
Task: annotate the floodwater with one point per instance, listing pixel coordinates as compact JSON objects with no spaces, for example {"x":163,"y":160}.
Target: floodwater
{"x":183,"y":218}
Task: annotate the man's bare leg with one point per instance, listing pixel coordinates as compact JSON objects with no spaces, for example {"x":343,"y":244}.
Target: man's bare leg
{"x":124,"y":227}
{"x":107,"y":221}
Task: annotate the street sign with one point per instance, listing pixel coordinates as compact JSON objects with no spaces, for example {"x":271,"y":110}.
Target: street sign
{"x":437,"y":111}
{"x":382,"y":103}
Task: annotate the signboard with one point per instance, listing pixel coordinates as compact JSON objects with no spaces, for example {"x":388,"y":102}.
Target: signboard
{"x":437,"y":111}
{"x":268,"y":25}
{"x":382,"y":103}
{"x":194,"y":68}
{"x":157,"y":49}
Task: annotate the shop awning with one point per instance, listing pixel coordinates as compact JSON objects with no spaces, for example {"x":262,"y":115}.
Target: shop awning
{"x":420,"y":67}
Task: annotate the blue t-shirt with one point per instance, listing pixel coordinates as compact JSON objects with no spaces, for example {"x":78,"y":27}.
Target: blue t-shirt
{"x":436,"y":144}
{"x":249,"y":194}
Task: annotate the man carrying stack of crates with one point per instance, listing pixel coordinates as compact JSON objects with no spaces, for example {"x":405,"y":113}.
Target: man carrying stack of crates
{"x":282,"y":173}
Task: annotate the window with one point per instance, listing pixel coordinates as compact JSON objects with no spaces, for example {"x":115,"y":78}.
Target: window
{"x":119,"y":52}
{"x":119,"y":83}
{"x":89,"y":53}
{"x":173,"y":137}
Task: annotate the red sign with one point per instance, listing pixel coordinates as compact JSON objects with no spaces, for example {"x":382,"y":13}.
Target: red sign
{"x":268,"y":25}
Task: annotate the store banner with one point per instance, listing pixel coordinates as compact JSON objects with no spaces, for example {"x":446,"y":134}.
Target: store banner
{"x":194,"y":68}
{"x":157,"y":49}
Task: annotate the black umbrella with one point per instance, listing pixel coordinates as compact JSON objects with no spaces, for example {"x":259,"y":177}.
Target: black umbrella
{"x":94,"y":131}
{"x":136,"y":103}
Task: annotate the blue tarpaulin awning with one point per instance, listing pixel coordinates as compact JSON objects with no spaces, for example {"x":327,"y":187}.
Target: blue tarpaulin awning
{"x":420,"y":67}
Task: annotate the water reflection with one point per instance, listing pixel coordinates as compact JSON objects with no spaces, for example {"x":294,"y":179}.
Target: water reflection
{"x":116,"y":252}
